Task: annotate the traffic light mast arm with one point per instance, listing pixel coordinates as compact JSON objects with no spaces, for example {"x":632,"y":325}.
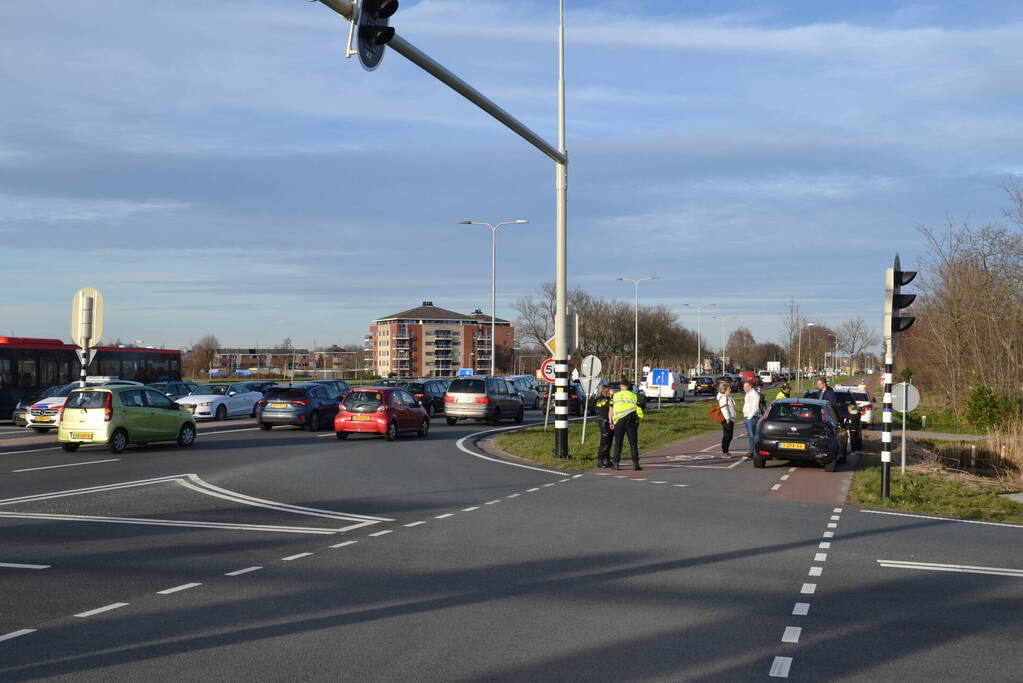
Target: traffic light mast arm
{"x":346,"y":8}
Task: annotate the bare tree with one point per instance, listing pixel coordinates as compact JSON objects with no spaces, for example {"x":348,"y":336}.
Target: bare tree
{"x":202,"y":356}
{"x":855,"y":337}
{"x":740,"y":348}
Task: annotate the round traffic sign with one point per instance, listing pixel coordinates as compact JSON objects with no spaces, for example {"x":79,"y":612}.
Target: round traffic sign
{"x":590,"y":367}
{"x":905,"y":397}
{"x":547,"y":370}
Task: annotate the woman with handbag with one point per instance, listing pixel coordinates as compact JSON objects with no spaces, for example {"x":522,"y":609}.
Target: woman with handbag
{"x":727,"y":406}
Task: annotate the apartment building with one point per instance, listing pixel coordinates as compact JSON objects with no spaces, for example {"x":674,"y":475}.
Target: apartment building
{"x":429,"y":341}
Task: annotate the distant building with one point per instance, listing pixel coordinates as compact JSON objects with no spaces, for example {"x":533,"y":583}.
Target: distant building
{"x":428,"y":341}
{"x":324,"y":362}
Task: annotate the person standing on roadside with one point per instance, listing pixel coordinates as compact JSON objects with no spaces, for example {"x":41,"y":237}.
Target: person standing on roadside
{"x":607,"y":436}
{"x":784,"y":392}
{"x":625,"y":416}
{"x":727,"y":404}
{"x":825,"y":392}
{"x":751,"y":414}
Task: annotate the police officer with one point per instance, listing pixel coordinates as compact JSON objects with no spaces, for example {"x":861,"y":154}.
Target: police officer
{"x":603,"y":405}
{"x":625,"y":417}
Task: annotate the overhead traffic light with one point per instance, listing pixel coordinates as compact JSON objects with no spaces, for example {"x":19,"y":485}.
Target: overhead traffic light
{"x":895,"y":301}
{"x":374,"y":33}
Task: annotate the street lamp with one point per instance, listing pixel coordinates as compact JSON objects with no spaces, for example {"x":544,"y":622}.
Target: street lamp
{"x":635,"y":341}
{"x":493,"y":284}
{"x":834,"y":356}
{"x":723,"y":319}
{"x":699,"y":343}
{"x":799,"y":359}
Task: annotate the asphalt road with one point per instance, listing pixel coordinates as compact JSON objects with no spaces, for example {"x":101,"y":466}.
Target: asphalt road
{"x":289,"y":555}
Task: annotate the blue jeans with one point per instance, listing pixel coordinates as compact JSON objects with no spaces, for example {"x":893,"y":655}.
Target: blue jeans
{"x":751,"y":432}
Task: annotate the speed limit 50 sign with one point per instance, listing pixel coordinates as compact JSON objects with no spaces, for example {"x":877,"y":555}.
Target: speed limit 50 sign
{"x":547,"y":370}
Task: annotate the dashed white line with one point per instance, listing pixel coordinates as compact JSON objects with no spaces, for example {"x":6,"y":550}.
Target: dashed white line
{"x":801,"y":609}
{"x":824,"y":545}
{"x":791,"y":634}
{"x":177,"y":589}
{"x":415,"y":523}
{"x":808,"y":588}
{"x":835,"y":518}
{"x":474,"y":507}
{"x":681,"y":486}
{"x":15,"y":565}
{"x":820,"y":557}
{"x":71,"y":464}
{"x":660,"y":482}
{"x":837,"y":510}
{"x":792,"y":469}
{"x":815,"y":571}
{"x":383,"y":533}
{"x":444,"y":516}
{"x":776,"y":487}
{"x":239,"y":572}
{"x":639,"y":479}
{"x":17,"y":634}
{"x":343,"y":544}
{"x":576,"y":476}
{"x":100,"y":610}
{"x":829,"y":534}
{"x":562,"y":481}
{"x":546,"y":485}
{"x":780,"y":667}
{"x":297,"y":556}
{"x":513,"y":495}
{"x":532,"y":490}
{"x":492,"y":502}
{"x":784,"y":477}
{"x":832,"y":525}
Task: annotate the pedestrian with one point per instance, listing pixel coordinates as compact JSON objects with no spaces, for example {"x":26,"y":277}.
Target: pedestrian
{"x":625,"y":416}
{"x":727,"y":404}
{"x":825,"y":392}
{"x":607,"y":436}
{"x":751,"y":414}
{"x":784,"y":392}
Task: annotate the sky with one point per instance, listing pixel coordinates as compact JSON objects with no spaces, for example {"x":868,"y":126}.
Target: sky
{"x":221,"y":168}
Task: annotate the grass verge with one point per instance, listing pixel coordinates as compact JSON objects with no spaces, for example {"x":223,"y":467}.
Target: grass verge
{"x":658,"y":428}
{"x":947,"y":494}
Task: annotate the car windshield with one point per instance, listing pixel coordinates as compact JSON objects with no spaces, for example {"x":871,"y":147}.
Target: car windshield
{"x":68,"y":388}
{"x":797,"y":412}
{"x":468,"y":386}
{"x":412,"y":387}
{"x":286,"y":393}
{"x":860,"y":396}
{"x":363,"y":401}
{"x":159,"y":386}
{"x":87,"y":399}
{"x":211,"y":389}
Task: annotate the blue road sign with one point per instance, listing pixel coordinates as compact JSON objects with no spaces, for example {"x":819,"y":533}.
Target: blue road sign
{"x":660,"y":378}
{"x":464,"y":372}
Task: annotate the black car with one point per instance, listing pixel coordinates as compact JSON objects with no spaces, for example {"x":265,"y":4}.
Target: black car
{"x":338,"y":387}
{"x":848,"y":413}
{"x":429,"y":392}
{"x":307,"y":404}
{"x":801,"y":429}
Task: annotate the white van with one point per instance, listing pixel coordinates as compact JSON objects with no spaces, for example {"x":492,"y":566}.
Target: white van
{"x":675,"y":391}
{"x":766,"y":377}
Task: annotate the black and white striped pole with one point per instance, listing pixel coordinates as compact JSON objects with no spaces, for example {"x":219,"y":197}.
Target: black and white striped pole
{"x":886,"y":419}
{"x":893,"y":325}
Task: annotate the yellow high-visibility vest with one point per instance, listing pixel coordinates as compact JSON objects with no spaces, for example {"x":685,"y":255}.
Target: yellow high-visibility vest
{"x":623,"y":404}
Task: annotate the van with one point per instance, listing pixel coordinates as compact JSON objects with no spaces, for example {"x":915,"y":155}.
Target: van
{"x":674,"y":391}
{"x":483,"y":397}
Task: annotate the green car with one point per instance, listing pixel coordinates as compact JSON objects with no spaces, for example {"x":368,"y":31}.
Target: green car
{"x":119,"y":415}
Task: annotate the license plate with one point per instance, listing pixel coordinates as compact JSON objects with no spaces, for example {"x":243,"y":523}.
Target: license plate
{"x":465,"y":399}
{"x":362,"y":418}
{"x":278,"y":405}
{"x":81,"y":435}
{"x":793,"y":446}
{"x":44,"y":419}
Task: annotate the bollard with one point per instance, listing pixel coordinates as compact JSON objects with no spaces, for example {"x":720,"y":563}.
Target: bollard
{"x":923,"y":422}
{"x":973,"y":456}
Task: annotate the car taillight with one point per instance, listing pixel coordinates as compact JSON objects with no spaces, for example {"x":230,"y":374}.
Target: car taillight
{"x":421,"y":397}
{"x":261,"y":402}
{"x":382,"y":409}
{"x":60,"y":414}
{"x":108,"y":408}
{"x":573,"y":395}
{"x":764,"y":452}
{"x":300,"y":402}
{"x":483,"y":400}
{"x":449,"y":399}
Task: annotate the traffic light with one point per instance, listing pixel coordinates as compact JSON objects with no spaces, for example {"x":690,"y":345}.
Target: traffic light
{"x":374,"y":33}
{"x":895,"y":301}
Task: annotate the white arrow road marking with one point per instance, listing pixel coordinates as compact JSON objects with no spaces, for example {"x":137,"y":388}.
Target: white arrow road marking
{"x":965,"y":569}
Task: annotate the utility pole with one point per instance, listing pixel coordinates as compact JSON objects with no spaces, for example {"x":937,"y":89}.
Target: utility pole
{"x":699,"y":335}
{"x":635,"y":335}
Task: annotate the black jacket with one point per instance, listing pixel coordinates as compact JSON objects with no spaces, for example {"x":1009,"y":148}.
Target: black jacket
{"x":603,"y":405}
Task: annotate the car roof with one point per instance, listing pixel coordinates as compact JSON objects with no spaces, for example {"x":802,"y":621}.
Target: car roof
{"x":384,"y":389}
{"x":806,"y":401}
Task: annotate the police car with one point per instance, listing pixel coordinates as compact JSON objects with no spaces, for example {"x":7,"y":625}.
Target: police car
{"x":44,"y":415}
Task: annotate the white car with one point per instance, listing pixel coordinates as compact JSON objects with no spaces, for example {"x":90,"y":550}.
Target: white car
{"x":766,"y":377}
{"x":221,"y":401}
{"x":44,"y":415}
{"x":864,"y":401}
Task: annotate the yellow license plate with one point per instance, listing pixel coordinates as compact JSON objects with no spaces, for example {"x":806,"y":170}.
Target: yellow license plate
{"x":278,"y":405}
{"x":81,"y":435}
{"x":793,"y":446}
{"x":44,"y":419}
{"x":362,"y":418}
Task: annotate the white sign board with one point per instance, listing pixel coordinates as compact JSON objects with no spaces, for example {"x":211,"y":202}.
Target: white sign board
{"x":590,"y":367}
{"x":590,"y":384}
{"x":87,"y":317}
{"x":905,"y":397}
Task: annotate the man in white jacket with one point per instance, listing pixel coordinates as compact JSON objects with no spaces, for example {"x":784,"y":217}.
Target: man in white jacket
{"x":751,"y":414}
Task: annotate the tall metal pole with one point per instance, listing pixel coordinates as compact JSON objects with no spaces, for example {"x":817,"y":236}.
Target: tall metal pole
{"x":635,"y":341}
{"x":493,"y":300}
{"x":699,"y":335}
{"x":561,"y":266}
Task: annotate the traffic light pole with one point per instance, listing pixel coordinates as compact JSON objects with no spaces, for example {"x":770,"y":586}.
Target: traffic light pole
{"x":348,"y":10}
{"x":886,"y":419}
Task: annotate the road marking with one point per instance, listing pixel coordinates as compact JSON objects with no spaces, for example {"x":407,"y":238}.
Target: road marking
{"x":34,"y":450}
{"x":239,"y":572}
{"x":17,"y":634}
{"x":837,"y":510}
{"x":444,"y":516}
{"x":776,"y":487}
{"x":460,"y":444}
{"x":562,"y":481}
{"x":824,"y":545}
{"x":681,"y":486}
{"x":383,"y":533}
{"x":176,"y":589}
{"x":617,"y":476}
{"x":289,"y":558}
{"x":546,"y":485}
{"x":343,"y":544}
{"x":14,"y":565}
{"x":801,"y":609}
{"x":537,"y":489}
{"x":829,"y":534}
{"x":513,"y":495}
{"x":835,"y":518}
{"x":816,"y":571}
{"x":639,"y":479}
{"x":792,"y":469}
{"x":100,"y":610}
{"x":820,"y":557}
{"x":780,"y":667}
{"x":784,"y":477}
{"x":415,"y":524}
{"x":808,"y":588}
{"x":576,"y":476}
{"x":832,"y":525}
{"x":791,"y":634}
{"x":170,"y":522}
{"x":660,"y":482}
{"x":964,"y":569}
{"x":212,"y":432}
{"x":474,"y":507}
{"x":943,"y":519}
{"x":72,"y":464}
{"x":493,"y":502}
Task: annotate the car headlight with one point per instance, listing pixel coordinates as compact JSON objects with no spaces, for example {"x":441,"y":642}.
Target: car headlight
{"x":204,"y":403}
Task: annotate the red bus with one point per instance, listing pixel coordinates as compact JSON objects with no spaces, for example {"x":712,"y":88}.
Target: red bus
{"x":28,"y":365}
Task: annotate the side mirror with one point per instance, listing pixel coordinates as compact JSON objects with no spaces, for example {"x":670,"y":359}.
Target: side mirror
{"x":232,"y":393}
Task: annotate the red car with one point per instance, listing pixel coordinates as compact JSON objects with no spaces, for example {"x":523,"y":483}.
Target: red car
{"x":389,"y":411}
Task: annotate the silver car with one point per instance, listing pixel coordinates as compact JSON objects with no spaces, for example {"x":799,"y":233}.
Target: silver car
{"x":527,"y":392}
{"x":483,"y":397}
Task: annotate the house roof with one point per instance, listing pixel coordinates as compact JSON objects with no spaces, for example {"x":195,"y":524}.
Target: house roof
{"x":430,"y":312}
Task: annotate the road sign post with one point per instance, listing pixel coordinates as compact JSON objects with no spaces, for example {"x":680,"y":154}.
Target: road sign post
{"x":86,"y":325}
{"x":547,"y":372}
{"x":906,"y":397}
{"x":589,"y":380}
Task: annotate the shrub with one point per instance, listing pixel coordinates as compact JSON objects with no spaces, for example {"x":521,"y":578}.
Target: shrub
{"x":985,"y":408}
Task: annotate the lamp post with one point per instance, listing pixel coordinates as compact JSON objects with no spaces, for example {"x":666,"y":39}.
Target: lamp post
{"x":699,"y":338}
{"x":799,"y":359}
{"x":635,"y":340}
{"x":493,"y":284}
{"x":723,"y":319}
{"x":826,"y":354}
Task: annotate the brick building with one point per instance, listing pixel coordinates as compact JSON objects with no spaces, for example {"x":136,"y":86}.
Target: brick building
{"x":428,"y":341}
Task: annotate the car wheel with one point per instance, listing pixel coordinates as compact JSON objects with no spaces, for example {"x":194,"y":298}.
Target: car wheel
{"x":452,"y":421}
{"x":69,"y":447}
{"x":519,"y":416}
{"x":314,"y":423}
{"x":341,"y":436}
{"x":496,"y":418}
{"x":392,"y":431}
{"x":424,"y":430}
{"x":221,"y":414}
{"x":265,"y":427}
{"x":118,"y":441}
{"x":759,"y":461}
{"x":186,"y":437}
